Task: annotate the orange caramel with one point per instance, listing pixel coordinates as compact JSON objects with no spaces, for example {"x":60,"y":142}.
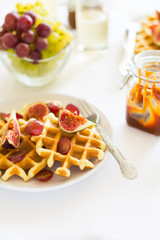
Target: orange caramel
{"x":143,"y":107}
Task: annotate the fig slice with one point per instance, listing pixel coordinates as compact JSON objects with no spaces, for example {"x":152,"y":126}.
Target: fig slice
{"x":71,"y":123}
{"x":35,"y":110}
{"x":156,"y":34}
{"x":11,"y":135}
{"x":158,"y":14}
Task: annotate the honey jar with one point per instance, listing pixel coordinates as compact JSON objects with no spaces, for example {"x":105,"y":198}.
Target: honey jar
{"x":143,"y":92}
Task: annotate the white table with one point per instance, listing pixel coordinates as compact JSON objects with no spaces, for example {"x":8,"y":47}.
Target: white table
{"x":104,"y":206}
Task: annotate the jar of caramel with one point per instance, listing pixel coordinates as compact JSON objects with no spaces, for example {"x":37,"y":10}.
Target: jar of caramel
{"x":143,"y":92}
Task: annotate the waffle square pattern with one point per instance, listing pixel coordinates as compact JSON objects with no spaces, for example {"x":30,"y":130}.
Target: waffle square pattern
{"x":144,"y":38}
{"x":85,"y":146}
{"x":29,"y":166}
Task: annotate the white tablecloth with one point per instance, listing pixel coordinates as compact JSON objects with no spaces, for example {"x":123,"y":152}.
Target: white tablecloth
{"x":104,"y":206}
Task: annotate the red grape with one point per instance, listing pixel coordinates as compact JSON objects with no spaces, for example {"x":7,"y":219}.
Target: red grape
{"x":72,"y":108}
{"x":44,"y":30}
{"x":41,"y":44}
{"x":24,"y":23}
{"x":11,"y":20}
{"x":22,"y":50}
{"x":34,"y":128}
{"x":6,"y":116}
{"x":64,"y":145}
{"x":32,"y":15}
{"x":5,"y":28}
{"x":1,"y":45}
{"x":2,"y":34}
{"x":36,"y":55}
{"x":53,"y":107}
{"x":18,"y":35}
{"x":44,"y":175}
{"x":17,"y":156}
{"x":28,"y":36}
{"x":9,"y":40}
{"x":19,"y":116}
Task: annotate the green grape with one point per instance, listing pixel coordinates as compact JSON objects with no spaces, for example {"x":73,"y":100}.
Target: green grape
{"x":11,"y":50}
{"x":37,"y":8}
{"x":53,"y":38}
{"x":31,"y":46}
{"x":41,"y":19}
{"x":57,"y":40}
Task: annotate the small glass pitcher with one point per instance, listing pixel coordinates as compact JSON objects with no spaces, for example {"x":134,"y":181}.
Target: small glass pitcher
{"x":92,"y":24}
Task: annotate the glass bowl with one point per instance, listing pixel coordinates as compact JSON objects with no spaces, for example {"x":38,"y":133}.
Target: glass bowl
{"x":39,"y":74}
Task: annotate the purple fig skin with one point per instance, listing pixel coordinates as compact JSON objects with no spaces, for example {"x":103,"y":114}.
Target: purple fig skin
{"x":11,"y":134}
{"x":7,"y":145}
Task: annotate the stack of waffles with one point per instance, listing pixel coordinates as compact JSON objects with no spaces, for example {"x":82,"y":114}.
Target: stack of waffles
{"x":41,"y":151}
{"x":144,"y":38}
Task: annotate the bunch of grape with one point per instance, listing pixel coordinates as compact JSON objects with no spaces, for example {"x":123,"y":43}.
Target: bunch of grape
{"x":22,"y":35}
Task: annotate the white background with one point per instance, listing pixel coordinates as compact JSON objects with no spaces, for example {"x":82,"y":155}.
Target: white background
{"x":104,"y":206}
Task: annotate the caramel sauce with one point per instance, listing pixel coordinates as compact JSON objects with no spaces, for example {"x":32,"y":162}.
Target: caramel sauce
{"x":143,"y":108}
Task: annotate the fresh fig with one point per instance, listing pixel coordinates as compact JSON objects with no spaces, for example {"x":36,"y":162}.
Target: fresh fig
{"x":156,"y":34}
{"x":71,"y":123}
{"x":6,"y":116}
{"x":35,"y":110}
{"x":11,"y":135}
{"x":158,"y":14}
{"x":153,"y":27}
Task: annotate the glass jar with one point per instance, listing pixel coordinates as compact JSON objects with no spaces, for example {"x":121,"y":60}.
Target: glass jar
{"x":39,"y":74}
{"x":92,"y":24}
{"x":143,"y":95}
{"x":71,"y":14}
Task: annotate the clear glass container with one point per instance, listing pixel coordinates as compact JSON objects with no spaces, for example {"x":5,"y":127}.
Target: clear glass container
{"x":39,"y":74}
{"x":71,"y":14}
{"x":143,"y":92}
{"x":92,"y":24}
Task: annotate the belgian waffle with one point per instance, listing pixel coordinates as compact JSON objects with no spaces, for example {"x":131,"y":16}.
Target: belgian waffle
{"x":85,"y":145}
{"x":2,"y":126}
{"x":30,"y":165}
{"x":144,"y":40}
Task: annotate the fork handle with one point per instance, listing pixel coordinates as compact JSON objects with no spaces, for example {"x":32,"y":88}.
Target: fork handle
{"x":127,"y":168}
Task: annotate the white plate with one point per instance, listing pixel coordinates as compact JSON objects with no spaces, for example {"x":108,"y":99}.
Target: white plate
{"x":16,"y":183}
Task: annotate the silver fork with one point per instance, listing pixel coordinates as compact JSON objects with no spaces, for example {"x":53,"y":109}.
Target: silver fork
{"x":132,"y":29}
{"x":127,"y":168}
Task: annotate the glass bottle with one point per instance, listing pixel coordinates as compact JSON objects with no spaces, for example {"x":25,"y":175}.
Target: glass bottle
{"x":143,"y":92}
{"x":71,"y":14}
{"x":92,"y":24}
